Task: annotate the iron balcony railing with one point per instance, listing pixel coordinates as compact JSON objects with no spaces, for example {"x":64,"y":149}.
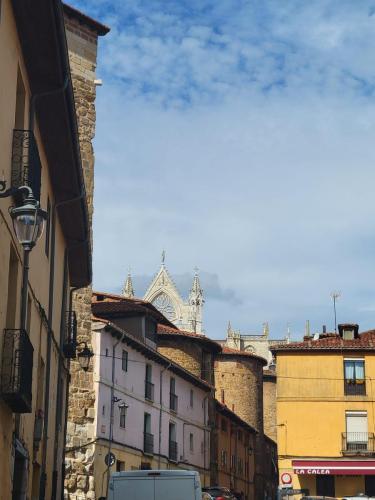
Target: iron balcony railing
{"x":17,"y":370}
{"x":358,"y":443}
{"x":148,"y":443}
{"x":173,"y":402}
{"x":355,"y":387}
{"x":149,"y":390}
{"x":26,"y":165}
{"x":70,"y":343}
{"x":173,"y":448}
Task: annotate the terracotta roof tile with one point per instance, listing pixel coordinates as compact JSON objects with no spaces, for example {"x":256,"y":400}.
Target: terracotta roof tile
{"x":167,"y":330}
{"x":333,"y":342}
{"x":245,"y":354}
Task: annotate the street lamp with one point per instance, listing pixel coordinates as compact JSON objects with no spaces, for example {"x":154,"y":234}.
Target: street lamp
{"x":84,"y":356}
{"x":28,"y":223}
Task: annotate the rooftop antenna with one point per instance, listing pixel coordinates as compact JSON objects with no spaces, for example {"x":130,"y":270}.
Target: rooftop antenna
{"x":335,"y":295}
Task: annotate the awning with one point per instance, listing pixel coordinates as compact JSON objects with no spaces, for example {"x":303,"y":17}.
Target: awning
{"x":334,"y":467}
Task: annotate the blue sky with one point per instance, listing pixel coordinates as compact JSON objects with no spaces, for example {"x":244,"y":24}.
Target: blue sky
{"x":239,"y":137}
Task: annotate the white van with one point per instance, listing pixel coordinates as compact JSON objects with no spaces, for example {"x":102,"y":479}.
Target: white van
{"x":155,"y":485}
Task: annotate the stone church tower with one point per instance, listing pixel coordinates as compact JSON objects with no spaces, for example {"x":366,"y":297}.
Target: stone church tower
{"x":164,"y":295}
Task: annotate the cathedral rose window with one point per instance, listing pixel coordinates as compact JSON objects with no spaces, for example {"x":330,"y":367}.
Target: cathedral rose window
{"x":164,"y":304}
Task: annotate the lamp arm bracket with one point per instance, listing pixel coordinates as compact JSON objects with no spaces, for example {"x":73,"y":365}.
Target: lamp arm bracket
{"x":4,"y":193}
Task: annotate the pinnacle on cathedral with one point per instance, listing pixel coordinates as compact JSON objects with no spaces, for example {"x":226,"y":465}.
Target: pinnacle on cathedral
{"x":196,"y":292}
{"x":128,"y":290}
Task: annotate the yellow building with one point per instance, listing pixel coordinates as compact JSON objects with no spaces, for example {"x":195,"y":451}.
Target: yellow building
{"x":325,"y":413}
{"x":39,"y":149}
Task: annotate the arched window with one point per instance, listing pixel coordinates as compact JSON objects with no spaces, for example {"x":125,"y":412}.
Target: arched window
{"x":164,"y":304}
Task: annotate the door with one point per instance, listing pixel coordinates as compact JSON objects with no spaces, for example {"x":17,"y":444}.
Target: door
{"x":325,"y":486}
{"x":370,"y":486}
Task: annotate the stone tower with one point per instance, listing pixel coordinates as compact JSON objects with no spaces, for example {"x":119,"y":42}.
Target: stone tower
{"x":82,"y":34}
{"x":164,"y":295}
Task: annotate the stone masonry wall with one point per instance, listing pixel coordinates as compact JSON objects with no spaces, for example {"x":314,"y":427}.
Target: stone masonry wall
{"x":79,"y":461}
{"x":269,"y":406}
{"x":187,"y":354}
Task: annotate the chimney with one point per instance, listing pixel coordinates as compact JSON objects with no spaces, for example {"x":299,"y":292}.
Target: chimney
{"x":324,"y":329}
{"x":348,"y":331}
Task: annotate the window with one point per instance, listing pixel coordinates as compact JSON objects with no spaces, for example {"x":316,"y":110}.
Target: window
{"x":48,"y":228}
{"x":240,"y":466}
{"x":191,"y":398}
{"x":233,"y":463}
{"x":191,"y":442}
{"x":224,"y":458}
{"x":106,"y":353}
{"x":224,"y":425}
{"x":356,"y":431}
{"x":172,"y":395}
{"x":120,"y":466}
{"x":222,"y":395}
{"x":354,"y":374}
{"x":149,"y":386}
{"x":122,"y":416}
{"x":103,"y":410}
{"x":124,"y":360}
{"x":19,"y":118}
{"x":12,"y":288}
{"x":172,"y":442}
{"x":148,"y":444}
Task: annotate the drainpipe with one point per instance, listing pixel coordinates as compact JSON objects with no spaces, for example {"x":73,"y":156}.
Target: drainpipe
{"x":161,"y":409}
{"x":204,"y":436}
{"x":112,"y":407}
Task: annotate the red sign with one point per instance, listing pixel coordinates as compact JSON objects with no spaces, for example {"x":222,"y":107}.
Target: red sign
{"x":286,"y":478}
{"x":334,"y":467}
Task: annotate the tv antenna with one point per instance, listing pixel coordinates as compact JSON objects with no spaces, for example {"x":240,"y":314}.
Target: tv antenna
{"x":335,"y":296}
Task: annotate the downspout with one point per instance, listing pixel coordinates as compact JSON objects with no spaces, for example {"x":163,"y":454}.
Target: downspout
{"x":205,"y":399}
{"x":161,"y":409}
{"x":112,"y":408}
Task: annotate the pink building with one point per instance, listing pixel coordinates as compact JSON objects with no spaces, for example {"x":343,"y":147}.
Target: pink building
{"x":149,"y":411}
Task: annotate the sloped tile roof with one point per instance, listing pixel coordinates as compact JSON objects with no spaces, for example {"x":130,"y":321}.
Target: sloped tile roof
{"x":331,"y":342}
{"x":165,"y":331}
{"x":235,"y":352}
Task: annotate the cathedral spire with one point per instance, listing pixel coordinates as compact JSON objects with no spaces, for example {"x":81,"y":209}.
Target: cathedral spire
{"x":196,"y":292}
{"x":128,"y":290}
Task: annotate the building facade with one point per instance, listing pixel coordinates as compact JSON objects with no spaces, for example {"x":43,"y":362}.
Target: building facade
{"x":325,"y":414}
{"x":149,"y":413}
{"x":235,"y":441}
{"x":41,"y":152}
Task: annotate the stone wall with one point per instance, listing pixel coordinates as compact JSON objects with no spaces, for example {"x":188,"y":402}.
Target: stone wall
{"x":79,"y":459}
{"x":241,"y":379}
{"x":183,"y":352}
{"x":269,"y":405}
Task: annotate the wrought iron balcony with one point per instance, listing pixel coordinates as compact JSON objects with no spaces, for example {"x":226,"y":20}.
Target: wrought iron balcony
{"x":358,"y":443}
{"x":149,"y":390}
{"x":70,"y":343}
{"x":173,"y":448}
{"x":148,"y":443}
{"x":17,"y":370}
{"x":173,"y":402}
{"x":26,"y":165}
{"x":355,"y":387}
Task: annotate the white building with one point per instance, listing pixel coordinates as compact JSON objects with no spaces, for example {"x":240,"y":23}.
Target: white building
{"x":158,"y":409}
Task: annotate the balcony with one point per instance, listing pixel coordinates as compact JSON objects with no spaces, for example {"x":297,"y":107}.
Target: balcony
{"x":69,"y":347}
{"x":355,"y":387}
{"x":149,"y":390}
{"x":148,"y":443}
{"x":26,"y":165}
{"x":358,"y":443}
{"x":173,"y":448}
{"x":173,"y":402}
{"x":17,"y":371}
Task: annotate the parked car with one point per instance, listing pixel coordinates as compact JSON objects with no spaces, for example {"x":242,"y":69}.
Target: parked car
{"x":155,"y":484}
{"x":219,"y":493}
